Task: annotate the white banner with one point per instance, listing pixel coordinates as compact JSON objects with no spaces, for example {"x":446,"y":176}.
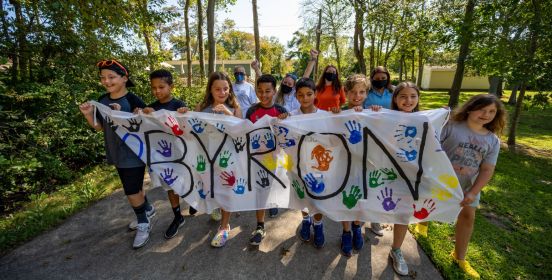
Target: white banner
{"x":382,"y":166}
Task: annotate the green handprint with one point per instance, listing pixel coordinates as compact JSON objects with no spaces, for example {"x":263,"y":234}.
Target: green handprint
{"x":391,"y":175}
{"x":374,"y":179}
{"x":298,"y":189}
{"x":223,"y":162}
{"x":200,"y":163}
{"x":354,"y":195}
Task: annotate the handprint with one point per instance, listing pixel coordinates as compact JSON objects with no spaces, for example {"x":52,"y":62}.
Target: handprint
{"x":387,"y":200}
{"x":167,"y":176}
{"x":255,"y":142}
{"x":173,"y":124}
{"x":134,"y":125}
{"x":408,"y":155}
{"x":269,"y":140}
{"x":197,"y":125}
{"x":202,"y":194}
{"x":239,"y":144}
{"x":200,"y":163}
{"x":229,"y":178}
{"x":354,"y":195}
{"x":240,"y":188}
{"x":220,"y":127}
{"x":287,"y":142}
{"x":264,"y":178}
{"x":110,"y":122}
{"x":406,"y":133}
{"x":424,"y":213}
{"x":374,"y":181}
{"x":298,"y":189}
{"x":165,"y":148}
{"x":224,"y":156}
{"x":354,"y":130}
{"x":390,"y":173}
{"x":322,"y":156}
{"x":316,"y":187}
{"x":441,"y":194}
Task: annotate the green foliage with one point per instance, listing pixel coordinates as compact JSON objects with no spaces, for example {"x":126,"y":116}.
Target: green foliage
{"x":541,"y":100}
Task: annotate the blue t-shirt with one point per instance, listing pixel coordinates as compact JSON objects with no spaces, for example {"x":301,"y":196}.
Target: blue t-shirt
{"x":375,"y":98}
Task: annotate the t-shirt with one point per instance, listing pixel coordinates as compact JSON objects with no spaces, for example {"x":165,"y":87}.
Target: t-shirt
{"x":209,"y":109}
{"x":327,"y":99}
{"x":375,"y":98}
{"x":117,"y":152}
{"x":172,"y":105}
{"x":245,"y":93}
{"x":467,"y":150}
{"x":256,"y":112}
{"x":290,"y":101}
{"x":299,"y":112}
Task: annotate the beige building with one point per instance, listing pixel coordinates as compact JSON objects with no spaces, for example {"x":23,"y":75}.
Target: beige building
{"x":441,"y":77}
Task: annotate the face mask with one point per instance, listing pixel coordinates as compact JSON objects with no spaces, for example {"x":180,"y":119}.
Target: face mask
{"x":239,"y":77}
{"x":285,"y":89}
{"x":330,"y":77}
{"x":379,"y":83}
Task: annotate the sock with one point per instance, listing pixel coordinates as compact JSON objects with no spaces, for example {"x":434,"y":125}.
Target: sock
{"x":260,"y":224}
{"x":176,"y":211}
{"x":140,"y":212}
{"x":192,"y":210}
{"x":148,"y":205}
{"x":317,"y":223}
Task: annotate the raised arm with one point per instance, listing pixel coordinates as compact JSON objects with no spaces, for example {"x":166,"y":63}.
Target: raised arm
{"x":256,"y":67}
{"x":311,"y":64}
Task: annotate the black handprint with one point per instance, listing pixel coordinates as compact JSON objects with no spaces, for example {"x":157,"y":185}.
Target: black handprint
{"x":239,"y":144}
{"x":264,"y":178}
{"x":134,"y":125}
{"x":109,"y":122}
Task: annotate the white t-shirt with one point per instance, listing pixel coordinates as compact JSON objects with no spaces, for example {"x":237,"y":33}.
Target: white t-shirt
{"x":290,"y":101}
{"x":299,"y":112}
{"x":245,"y":93}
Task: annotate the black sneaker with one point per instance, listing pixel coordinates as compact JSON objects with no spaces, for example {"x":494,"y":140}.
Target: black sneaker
{"x":258,"y":236}
{"x":173,"y":227}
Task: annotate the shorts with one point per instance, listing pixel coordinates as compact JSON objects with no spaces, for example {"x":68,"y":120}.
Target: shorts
{"x":132,"y":179}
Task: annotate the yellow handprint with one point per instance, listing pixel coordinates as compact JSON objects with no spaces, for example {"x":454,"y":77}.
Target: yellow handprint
{"x":269,"y":162}
{"x":449,"y":180}
{"x":285,"y":161}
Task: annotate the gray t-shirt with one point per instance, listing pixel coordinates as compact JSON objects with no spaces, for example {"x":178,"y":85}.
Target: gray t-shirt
{"x":209,"y":109}
{"x":117,"y":152}
{"x":467,"y":150}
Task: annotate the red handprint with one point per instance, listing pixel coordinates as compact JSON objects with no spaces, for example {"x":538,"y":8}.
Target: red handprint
{"x":173,"y":124}
{"x":229,"y":178}
{"x":423,"y":213}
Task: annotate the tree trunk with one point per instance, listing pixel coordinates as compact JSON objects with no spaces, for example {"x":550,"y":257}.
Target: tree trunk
{"x":200,"y":40}
{"x":336,"y":45}
{"x":211,"y":34}
{"x":21,"y":53}
{"x":515,"y":117}
{"x":318,"y":34}
{"x":256,"y":31}
{"x":420,"y":68}
{"x":401,"y":70}
{"x":493,"y":85}
{"x":188,"y":43}
{"x":465,"y":39}
{"x":358,"y":39}
{"x":512,"y":100}
{"x":412,"y":77}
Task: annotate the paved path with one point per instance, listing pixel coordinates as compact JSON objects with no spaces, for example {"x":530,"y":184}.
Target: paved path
{"x":95,"y":244}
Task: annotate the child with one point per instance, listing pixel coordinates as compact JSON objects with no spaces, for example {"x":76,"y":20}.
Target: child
{"x":306,"y":94}
{"x":381,"y":91}
{"x":161,"y":82}
{"x":472,"y":145}
{"x":220,"y":99}
{"x":244,"y":91}
{"x":329,"y":93}
{"x":266,"y":88}
{"x":114,"y":76}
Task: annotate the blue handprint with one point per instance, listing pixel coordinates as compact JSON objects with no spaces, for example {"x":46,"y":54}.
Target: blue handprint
{"x":165,"y":148}
{"x":167,"y":176}
{"x":220,"y":127}
{"x":287,"y":142}
{"x":316,"y":187}
{"x":408,"y":155}
{"x":406,"y":133}
{"x":202,"y":194}
{"x":354,"y":129}
{"x":197,"y":125}
{"x":387,"y":200}
{"x":269,"y":140}
{"x":240,"y":188}
{"x":255,"y":142}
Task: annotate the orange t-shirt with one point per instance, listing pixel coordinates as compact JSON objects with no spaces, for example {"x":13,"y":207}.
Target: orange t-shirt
{"x":327,"y":99}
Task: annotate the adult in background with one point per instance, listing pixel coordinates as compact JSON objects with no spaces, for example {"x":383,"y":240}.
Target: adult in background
{"x":244,"y":91}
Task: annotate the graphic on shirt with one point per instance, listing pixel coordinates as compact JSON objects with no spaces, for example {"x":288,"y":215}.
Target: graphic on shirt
{"x":468,"y":156}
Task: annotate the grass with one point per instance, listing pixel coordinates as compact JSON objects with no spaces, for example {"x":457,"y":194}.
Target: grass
{"x":512,"y":227}
{"x":45,"y":211}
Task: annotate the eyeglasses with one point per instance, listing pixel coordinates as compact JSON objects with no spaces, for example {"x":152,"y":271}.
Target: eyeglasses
{"x":104,"y":63}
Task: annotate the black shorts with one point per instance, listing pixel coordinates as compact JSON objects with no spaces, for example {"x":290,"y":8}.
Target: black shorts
{"x":132,"y":179}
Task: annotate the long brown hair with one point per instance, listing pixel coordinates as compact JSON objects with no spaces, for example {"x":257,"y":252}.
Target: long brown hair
{"x":480,"y":101}
{"x":208,"y":98}
{"x":398,"y":89}
{"x":336,"y":84}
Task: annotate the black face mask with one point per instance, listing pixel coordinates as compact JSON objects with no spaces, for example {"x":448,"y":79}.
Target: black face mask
{"x":330,"y":77}
{"x":285,"y":88}
{"x":379,"y":83}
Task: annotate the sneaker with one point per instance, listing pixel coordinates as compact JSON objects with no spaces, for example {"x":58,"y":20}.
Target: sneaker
{"x":318,"y":235}
{"x":421,"y":229}
{"x":465,"y":266}
{"x":258,"y":236}
{"x":358,"y":240}
{"x":192,"y":211}
{"x":216,"y":215}
{"x":305,"y":232}
{"x":273,"y":212}
{"x":347,"y":244}
{"x":399,"y":264}
{"x":221,"y":237}
{"x":134,"y":224}
{"x":173,"y":227}
{"x":142,"y":235}
{"x":376,"y":229}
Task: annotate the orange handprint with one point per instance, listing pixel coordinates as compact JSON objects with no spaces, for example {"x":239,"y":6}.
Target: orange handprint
{"x":322,"y":156}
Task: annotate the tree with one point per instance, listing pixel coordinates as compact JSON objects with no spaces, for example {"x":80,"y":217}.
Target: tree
{"x":211,"y":34}
{"x":200,"y":39}
{"x":256,"y":31}
{"x":188,"y":44}
{"x":358,"y":37}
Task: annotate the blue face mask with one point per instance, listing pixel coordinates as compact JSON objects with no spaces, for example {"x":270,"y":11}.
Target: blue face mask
{"x":239,"y":77}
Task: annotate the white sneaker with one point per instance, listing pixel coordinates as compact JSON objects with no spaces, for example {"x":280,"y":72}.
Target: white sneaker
{"x":376,"y":229}
{"x":142,"y":235}
{"x":399,"y":264}
{"x":134,"y":224}
{"x":216,"y":215}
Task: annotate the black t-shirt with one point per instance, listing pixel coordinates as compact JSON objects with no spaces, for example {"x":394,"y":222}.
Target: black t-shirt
{"x":172,"y":105}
